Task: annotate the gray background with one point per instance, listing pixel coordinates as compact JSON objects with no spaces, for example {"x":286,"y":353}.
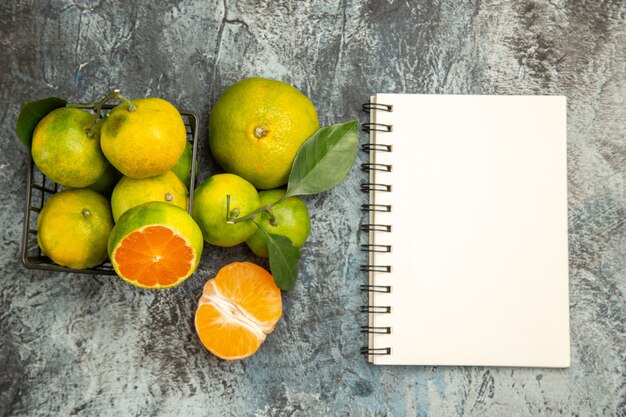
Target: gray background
{"x":84,"y":345}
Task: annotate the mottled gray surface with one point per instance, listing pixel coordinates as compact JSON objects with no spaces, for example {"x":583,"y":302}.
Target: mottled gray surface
{"x":83,"y":345}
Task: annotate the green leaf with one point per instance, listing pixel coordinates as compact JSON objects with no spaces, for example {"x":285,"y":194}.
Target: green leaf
{"x":284,"y":258}
{"x":32,"y":112}
{"x":324,"y":160}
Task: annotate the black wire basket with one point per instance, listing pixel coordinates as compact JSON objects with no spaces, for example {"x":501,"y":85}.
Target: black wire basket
{"x":40,"y":188}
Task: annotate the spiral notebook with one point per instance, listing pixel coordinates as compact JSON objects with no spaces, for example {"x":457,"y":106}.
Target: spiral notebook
{"x":467,"y":227}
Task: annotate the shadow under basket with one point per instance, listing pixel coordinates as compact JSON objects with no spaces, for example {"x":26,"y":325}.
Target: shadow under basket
{"x":40,"y":188}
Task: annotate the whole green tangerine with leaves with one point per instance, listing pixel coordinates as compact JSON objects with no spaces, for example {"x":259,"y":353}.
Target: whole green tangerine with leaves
{"x":211,"y":200}
{"x":322,"y":162}
{"x":289,"y":218}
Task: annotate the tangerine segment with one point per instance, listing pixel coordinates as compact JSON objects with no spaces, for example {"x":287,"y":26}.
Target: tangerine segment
{"x":154,"y":256}
{"x":224,"y":336}
{"x":253,"y":289}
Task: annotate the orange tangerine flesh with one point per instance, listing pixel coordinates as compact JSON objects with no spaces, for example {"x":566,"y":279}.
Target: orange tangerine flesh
{"x":224,"y":336}
{"x":237,"y":310}
{"x":154,"y":256}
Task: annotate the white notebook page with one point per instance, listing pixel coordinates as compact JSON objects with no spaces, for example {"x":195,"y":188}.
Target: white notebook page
{"x":479,"y":231}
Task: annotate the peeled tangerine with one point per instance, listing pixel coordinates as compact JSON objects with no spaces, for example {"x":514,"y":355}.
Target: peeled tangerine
{"x":237,"y":310}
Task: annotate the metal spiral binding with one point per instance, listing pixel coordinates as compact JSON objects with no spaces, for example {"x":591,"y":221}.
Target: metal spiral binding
{"x":368,"y":147}
{"x":375,"y":248}
{"x":367,"y":167}
{"x":367,"y":227}
{"x":370,"y":187}
{"x":379,"y":127}
{"x":367,"y":107}
{"x":375,"y":309}
{"x":375,"y":351}
{"x":376,"y":207}
{"x":376,"y":268}
{"x":376,"y":288}
{"x":376,"y":329}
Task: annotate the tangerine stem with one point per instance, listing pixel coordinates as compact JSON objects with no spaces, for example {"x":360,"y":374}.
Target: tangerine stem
{"x":131,"y":105}
{"x":273,"y":220}
{"x":257,"y":211}
{"x":249,"y":216}
{"x":97,"y":105}
{"x":97,"y":118}
{"x":228,"y":218}
{"x":97,"y":108}
{"x":113,"y":95}
{"x":91,"y":131}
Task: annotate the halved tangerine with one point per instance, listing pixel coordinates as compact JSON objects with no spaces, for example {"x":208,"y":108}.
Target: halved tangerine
{"x":237,"y":310}
{"x":155,"y":245}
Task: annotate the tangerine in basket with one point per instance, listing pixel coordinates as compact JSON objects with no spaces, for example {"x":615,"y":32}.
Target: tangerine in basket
{"x":182,"y":169}
{"x":130,"y":192}
{"x":65,"y":152}
{"x":73,"y":228}
{"x":155,"y":245}
{"x":146,"y":141}
{"x":106,"y":183}
{"x":237,"y":310}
